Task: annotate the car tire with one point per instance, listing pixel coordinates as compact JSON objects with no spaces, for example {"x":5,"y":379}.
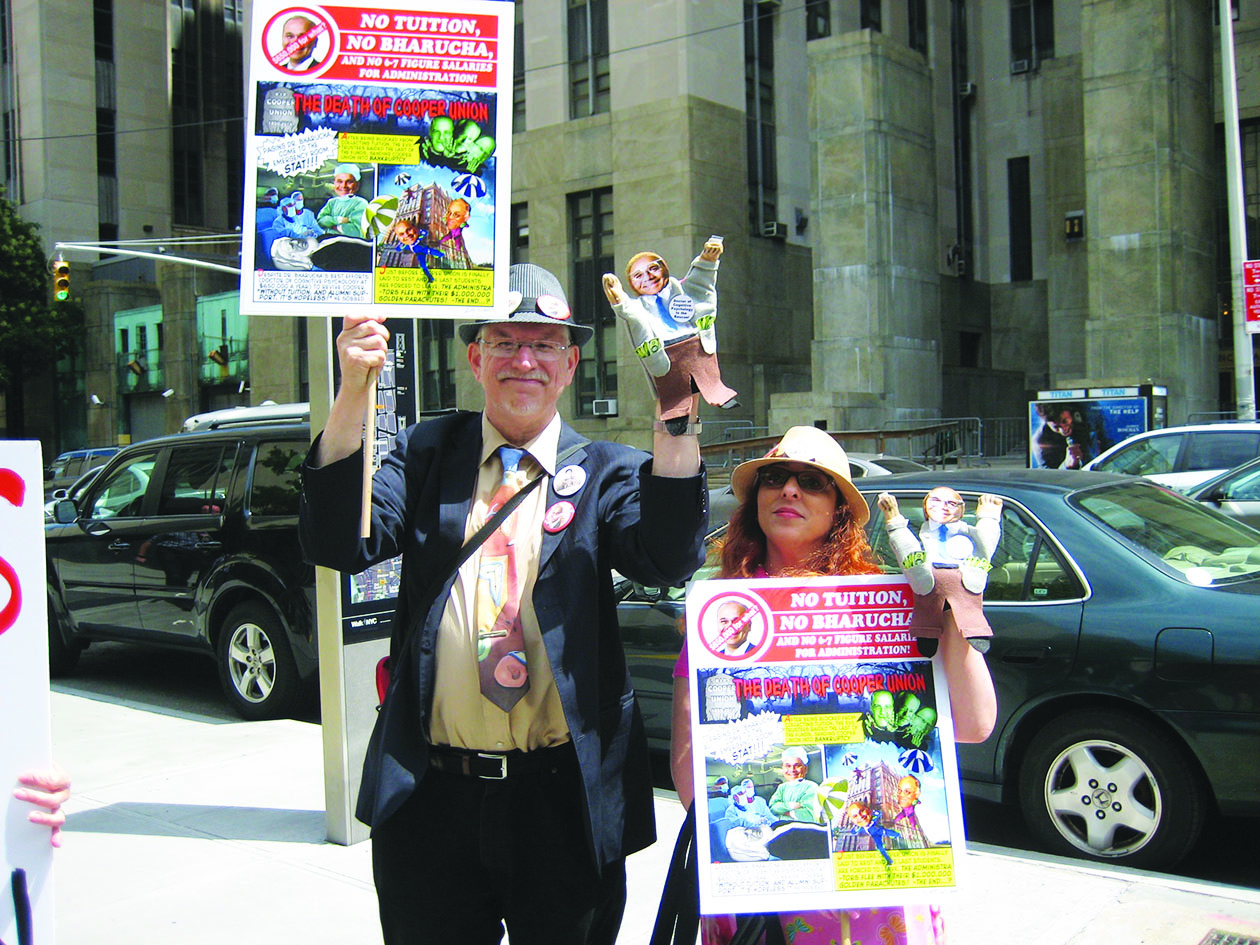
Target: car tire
{"x":256,"y":667}
{"x":1110,"y":786}
{"x":62,"y":656}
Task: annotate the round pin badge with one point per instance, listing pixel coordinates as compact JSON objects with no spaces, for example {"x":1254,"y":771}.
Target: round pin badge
{"x":558,"y":517}
{"x":682,"y":308}
{"x":514,"y":300}
{"x":553,"y":307}
{"x":569,"y":480}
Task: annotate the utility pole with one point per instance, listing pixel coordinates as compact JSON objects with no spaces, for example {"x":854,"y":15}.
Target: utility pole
{"x":1244,"y":363}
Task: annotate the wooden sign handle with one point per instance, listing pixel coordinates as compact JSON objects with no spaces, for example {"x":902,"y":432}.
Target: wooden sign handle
{"x":369,"y":448}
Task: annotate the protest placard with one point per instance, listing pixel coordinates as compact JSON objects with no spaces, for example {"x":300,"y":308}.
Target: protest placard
{"x":823,"y":748}
{"x":377,"y":154}
{"x":26,"y":851}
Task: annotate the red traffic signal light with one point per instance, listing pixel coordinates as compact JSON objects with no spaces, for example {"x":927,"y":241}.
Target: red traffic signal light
{"x":61,"y":280}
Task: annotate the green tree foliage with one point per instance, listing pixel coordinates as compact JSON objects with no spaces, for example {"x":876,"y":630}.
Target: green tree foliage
{"x":34,"y":331}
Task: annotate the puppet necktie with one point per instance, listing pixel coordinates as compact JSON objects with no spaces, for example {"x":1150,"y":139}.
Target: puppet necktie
{"x":500,"y":639}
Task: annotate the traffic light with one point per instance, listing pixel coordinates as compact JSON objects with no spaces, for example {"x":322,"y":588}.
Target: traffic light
{"x":61,"y":280}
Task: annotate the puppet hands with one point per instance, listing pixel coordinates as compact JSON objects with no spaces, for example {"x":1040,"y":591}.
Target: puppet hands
{"x":887,"y":503}
{"x":712,"y":251}
{"x":47,"y":789}
{"x":612,"y":290}
{"x":989,"y":506}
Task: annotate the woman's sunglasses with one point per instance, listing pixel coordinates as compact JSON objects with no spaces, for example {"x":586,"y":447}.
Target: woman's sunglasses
{"x":809,"y":480}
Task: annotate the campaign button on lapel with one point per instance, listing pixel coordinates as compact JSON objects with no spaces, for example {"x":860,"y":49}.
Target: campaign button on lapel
{"x":569,"y":480}
{"x":558,"y":517}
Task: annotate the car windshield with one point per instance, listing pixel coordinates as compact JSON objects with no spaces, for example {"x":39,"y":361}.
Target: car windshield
{"x":895,"y":465}
{"x":1148,"y":457}
{"x":1175,"y":534}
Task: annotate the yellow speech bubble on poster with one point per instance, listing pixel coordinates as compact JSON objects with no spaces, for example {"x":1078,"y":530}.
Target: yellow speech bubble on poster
{"x":932,"y":868}
{"x":408,"y":286}
{"x":839,"y":728}
{"x":378,"y":149}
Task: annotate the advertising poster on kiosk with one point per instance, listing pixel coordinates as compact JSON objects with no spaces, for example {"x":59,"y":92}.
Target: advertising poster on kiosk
{"x":822,"y":746}
{"x":1068,"y":428}
{"x":377,"y":158}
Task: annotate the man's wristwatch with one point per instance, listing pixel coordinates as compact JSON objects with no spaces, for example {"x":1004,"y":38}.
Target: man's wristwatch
{"x":678,"y":426}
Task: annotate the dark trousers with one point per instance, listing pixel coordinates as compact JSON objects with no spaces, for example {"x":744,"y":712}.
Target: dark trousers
{"x":463,"y":855}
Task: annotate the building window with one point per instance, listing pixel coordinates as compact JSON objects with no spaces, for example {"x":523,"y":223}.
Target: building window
{"x":1019,"y":215}
{"x":817,"y":19}
{"x":518,"y":69}
{"x":590,"y":244}
{"x":759,"y":108}
{"x":870,"y":15}
{"x":10,"y":149}
{"x":5,"y":52}
{"x":918,"y":22}
{"x":103,"y":29}
{"x":437,"y":364}
{"x":1032,"y":33}
{"x":519,"y":252}
{"x":106,"y":143}
{"x":590,"y":81}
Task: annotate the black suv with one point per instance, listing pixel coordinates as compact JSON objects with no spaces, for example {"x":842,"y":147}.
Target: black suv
{"x":191,"y":541}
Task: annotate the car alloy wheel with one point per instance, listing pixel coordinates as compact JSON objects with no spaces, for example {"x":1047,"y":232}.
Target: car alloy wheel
{"x":256,"y":667}
{"x":1111,"y":786}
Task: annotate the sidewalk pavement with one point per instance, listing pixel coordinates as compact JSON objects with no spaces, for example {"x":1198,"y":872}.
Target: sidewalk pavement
{"x":187,"y":829}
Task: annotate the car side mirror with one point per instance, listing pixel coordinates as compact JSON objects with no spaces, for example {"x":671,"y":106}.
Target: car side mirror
{"x":64,"y":511}
{"x":1216,"y":495}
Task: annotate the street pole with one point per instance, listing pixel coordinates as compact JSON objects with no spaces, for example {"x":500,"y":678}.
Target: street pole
{"x":1244,"y":366}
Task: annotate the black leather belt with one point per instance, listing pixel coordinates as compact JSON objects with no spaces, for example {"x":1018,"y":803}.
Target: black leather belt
{"x":497,"y":766}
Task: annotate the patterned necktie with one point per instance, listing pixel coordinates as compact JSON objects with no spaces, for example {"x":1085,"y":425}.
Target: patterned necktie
{"x":500,"y":639}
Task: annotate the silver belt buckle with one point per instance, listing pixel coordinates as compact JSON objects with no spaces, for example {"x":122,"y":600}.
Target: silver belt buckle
{"x":502,"y":775}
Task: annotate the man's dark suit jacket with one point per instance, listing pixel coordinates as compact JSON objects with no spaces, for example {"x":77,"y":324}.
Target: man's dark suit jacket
{"x":648,"y":528}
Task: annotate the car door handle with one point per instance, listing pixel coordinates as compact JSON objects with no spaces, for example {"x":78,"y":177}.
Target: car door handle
{"x":208,"y":545}
{"x":1026,"y":655}
{"x":119,"y":545}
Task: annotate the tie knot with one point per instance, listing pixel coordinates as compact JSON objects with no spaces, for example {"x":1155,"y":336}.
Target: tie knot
{"x":510,"y":456}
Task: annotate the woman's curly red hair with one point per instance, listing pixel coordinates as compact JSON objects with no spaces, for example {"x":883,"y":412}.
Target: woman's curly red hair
{"x":844,"y":551}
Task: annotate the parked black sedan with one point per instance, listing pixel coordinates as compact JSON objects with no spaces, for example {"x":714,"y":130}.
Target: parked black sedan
{"x":1126,"y":658}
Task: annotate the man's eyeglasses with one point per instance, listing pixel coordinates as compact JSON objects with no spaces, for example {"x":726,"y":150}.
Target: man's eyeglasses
{"x":543,"y":350}
{"x":948,"y":503}
{"x":810,"y":480}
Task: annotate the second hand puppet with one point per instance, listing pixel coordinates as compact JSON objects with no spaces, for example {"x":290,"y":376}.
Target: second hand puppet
{"x":947,"y":565}
{"x":671,"y":325}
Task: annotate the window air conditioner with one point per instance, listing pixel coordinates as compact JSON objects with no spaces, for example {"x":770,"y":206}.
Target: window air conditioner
{"x":776,"y":231}
{"x":604,"y":408}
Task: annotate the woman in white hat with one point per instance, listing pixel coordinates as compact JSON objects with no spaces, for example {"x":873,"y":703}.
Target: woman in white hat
{"x":800,"y":515}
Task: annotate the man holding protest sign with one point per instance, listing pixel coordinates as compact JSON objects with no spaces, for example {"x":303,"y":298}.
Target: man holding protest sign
{"x":509,"y":762}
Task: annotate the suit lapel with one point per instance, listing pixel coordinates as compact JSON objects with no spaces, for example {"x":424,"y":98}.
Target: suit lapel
{"x":458,"y":480}
{"x":551,"y":540}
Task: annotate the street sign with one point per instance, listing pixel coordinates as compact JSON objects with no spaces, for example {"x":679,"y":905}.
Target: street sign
{"x":1251,"y":295}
